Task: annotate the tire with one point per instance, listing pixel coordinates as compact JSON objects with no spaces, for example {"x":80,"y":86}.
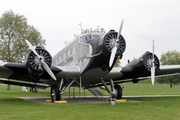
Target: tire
{"x":118,"y":90}
{"x":55,"y":93}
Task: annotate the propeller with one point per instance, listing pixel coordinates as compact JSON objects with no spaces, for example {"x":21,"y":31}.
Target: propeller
{"x":45,"y":66}
{"x":153,"y":67}
{"x":114,"y":49}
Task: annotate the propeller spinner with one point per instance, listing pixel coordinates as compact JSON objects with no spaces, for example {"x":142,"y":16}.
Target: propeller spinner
{"x":41,"y":60}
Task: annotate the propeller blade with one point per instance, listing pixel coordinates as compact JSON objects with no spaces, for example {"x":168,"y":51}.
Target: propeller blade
{"x":46,"y":67}
{"x":120,"y":29}
{"x":113,"y":53}
{"x":153,"y":67}
{"x":152,"y":75}
{"x":32,"y":48}
{"x":114,"y":49}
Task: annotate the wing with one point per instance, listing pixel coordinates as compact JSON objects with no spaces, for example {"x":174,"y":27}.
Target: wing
{"x":14,"y":71}
{"x":21,"y":72}
{"x":140,"y":69}
{"x":168,"y":70}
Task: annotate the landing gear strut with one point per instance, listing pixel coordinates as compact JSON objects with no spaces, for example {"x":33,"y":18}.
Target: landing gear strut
{"x":116,"y":90}
{"x":57,"y":91}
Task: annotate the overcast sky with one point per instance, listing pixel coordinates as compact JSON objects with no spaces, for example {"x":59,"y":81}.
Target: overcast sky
{"x":144,"y":20}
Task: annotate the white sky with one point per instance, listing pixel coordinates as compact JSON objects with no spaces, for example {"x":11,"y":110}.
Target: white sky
{"x":144,"y":20}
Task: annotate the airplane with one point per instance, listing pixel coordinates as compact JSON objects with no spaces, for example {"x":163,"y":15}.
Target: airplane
{"x":87,"y":62}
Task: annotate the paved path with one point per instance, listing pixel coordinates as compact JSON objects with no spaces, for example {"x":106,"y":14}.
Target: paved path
{"x":152,"y":96}
{"x":71,"y":100}
{"x":87,"y":99}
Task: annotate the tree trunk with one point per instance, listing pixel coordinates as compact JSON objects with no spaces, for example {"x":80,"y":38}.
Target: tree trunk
{"x":8,"y":86}
{"x":170,"y":83}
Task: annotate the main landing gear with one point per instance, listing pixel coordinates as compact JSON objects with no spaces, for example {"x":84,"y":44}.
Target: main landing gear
{"x":57,"y":91}
{"x":116,"y":91}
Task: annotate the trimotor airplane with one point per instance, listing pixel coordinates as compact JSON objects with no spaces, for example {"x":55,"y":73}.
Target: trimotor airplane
{"x":88,"y":62}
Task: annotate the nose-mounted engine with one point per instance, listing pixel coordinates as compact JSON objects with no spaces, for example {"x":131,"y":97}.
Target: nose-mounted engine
{"x":108,"y":42}
{"x":34,"y":62}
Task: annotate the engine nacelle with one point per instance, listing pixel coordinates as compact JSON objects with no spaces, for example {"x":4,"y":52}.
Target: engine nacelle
{"x":107,"y":42}
{"x":147,"y":61}
{"x":142,"y":65}
{"x":33,"y":62}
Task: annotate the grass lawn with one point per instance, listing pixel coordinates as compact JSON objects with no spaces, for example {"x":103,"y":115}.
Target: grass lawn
{"x":154,"y":108}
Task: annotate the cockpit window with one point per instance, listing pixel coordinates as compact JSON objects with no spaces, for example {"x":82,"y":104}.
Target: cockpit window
{"x":88,"y":37}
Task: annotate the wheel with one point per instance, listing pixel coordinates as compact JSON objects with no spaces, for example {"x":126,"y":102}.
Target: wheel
{"x":55,"y":93}
{"x":118,"y":91}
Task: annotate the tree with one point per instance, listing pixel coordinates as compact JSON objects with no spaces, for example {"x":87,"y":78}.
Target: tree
{"x":118,"y":62}
{"x":14,"y":29}
{"x":13,"y":32}
{"x":170,"y":58}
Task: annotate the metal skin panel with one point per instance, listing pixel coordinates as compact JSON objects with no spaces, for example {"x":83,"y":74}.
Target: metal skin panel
{"x":68,"y":72}
{"x":4,"y":71}
{"x":19,"y":71}
{"x":168,"y":69}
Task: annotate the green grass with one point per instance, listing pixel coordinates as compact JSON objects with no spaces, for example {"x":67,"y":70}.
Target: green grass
{"x":154,"y":108}
{"x":148,"y":89}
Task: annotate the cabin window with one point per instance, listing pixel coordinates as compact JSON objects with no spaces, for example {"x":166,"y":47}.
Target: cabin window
{"x":66,"y":54}
{"x":62,"y":57}
{"x":56,"y":61}
{"x":74,"y":49}
{"x":71,"y":51}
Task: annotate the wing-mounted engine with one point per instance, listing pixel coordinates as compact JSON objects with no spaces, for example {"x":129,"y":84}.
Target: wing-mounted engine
{"x":148,"y":59}
{"x":108,"y":41}
{"x":34,"y":62}
{"x":142,"y":66}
